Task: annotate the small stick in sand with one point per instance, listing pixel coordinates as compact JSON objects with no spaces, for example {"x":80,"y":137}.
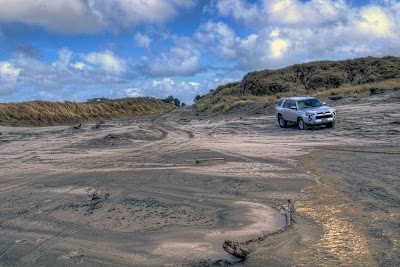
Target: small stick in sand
{"x":209,"y":159}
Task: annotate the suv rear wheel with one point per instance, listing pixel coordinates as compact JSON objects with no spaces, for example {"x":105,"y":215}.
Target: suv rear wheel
{"x":301,"y":124}
{"x":282,"y":122}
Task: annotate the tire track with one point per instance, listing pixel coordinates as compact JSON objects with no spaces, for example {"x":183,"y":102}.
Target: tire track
{"x":365,"y":149}
{"x":34,"y":254}
{"x":39,"y":250}
{"x":25,"y":220}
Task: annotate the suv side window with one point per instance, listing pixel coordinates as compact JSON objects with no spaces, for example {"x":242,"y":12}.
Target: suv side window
{"x":280,"y":102}
{"x":287,"y":104}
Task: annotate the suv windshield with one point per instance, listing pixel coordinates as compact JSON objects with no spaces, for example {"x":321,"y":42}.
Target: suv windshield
{"x":309,"y":103}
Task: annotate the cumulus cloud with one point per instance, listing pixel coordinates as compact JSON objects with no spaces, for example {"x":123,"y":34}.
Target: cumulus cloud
{"x":80,"y":65}
{"x":132,"y":12}
{"x":75,"y":16}
{"x":255,"y":51}
{"x":64,"y":58}
{"x":310,"y":13}
{"x":106,"y":60}
{"x":249,"y":13}
{"x":8,"y":77}
{"x":132,"y":92}
{"x":282,"y":32}
{"x":70,"y":76}
{"x":58,"y":15}
{"x":143,"y":40}
{"x":175,"y":62}
{"x":375,"y":22}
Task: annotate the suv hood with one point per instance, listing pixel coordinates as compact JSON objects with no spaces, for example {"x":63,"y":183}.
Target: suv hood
{"x":317,"y":109}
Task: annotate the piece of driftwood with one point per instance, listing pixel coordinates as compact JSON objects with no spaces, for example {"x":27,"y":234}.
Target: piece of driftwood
{"x":239,"y":249}
{"x":234,"y":248}
{"x":92,"y":194}
{"x":98,"y":124}
{"x":289,"y":213}
{"x":78,"y":126}
{"x":209,"y":159}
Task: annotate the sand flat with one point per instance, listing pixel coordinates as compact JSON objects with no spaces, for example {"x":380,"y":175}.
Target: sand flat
{"x":157,"y":206}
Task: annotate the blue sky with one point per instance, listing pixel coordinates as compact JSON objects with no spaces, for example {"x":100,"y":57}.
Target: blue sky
{"x":73,"y":50}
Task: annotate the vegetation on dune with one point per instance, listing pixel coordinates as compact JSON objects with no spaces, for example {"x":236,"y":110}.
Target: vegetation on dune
{"x":172,"y":100}
{"x":320,"y":79}
{"x":42,"y":113}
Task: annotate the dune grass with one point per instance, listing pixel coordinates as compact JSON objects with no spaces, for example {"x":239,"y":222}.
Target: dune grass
{"x":353,"y":77}
{"x":360,"y":90}
{"x":43,"y":113}
{"x":225,"y":99}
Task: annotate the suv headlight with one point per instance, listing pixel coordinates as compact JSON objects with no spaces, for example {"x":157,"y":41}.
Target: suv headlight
{"x":309,"y":114}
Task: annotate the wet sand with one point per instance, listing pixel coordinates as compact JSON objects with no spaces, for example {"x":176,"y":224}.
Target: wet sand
{"x":158,"y":206}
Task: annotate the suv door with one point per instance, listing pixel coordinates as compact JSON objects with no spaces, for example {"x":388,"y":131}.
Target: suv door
{"x":292,"y":111}
{"x":285,"y":110}
{"x":288,"y":113}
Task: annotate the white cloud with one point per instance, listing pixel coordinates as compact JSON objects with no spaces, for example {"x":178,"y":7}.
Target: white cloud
{"x":8,"y":71}
{"x":195,"y":84}
{"x":106,"y":60}
{"x":58,"y":15}
{"x":240,"y":10}
{"x":8,"y":77}
{"x":278,"y":47}
{"x":75,"y":16}
{"x":218,"y":37}
{"x":80,"y":65}
{"x":374,"y":21}
{"x":62,"y":79}
{"x":64,"y":58}
{"x":132,"y":12}
{"x":252,"y":52}
{"x":143,"y":40}
{"x":176,"y":62}
{"x":282,"y":32}
{"x":297,"y":13}
{"x":133,"y":92}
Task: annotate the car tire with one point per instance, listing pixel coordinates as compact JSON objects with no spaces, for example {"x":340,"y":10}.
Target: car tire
{"x":330,"y":125}
{"x":302,"y":125}
{"x":282,"y":122}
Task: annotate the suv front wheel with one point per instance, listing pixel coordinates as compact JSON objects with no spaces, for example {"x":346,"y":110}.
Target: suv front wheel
{"x":330,"y":125}
{"x":302,"y":125}
{"x":282,"y":122}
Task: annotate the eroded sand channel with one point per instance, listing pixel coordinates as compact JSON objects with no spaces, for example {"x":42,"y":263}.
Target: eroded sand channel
{"x":157,"y":207}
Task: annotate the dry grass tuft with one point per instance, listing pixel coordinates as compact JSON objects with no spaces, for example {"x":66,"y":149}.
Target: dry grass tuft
{"x":43,"y":113}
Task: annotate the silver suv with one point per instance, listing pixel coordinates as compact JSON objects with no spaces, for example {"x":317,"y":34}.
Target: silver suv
{"x":304,"y":111}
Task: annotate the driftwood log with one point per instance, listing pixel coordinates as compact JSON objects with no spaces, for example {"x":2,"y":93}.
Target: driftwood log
{"x":240,"y":249}
{"x":78,"y":126}
{"x":92,"y":194}
{"x":98,"y":124}
{"x":235,"y":248}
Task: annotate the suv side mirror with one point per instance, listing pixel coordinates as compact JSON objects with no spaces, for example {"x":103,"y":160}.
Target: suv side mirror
{"x":323,"y":103}
{"x":293,"y":107}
